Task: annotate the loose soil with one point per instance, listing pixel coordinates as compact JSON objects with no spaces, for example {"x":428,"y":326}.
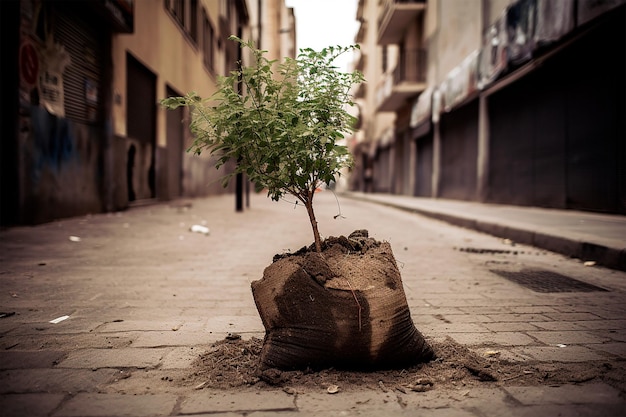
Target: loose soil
{"x":232,"y":363}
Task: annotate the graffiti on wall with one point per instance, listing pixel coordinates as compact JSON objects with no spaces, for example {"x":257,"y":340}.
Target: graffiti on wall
{"x":53,"y":142}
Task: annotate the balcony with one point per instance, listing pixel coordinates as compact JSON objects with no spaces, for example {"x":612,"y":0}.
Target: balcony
{"x":404,"y":83}
{"x":359,"y":10}
{"x":360,"y":61}
{"x":361,"y":91}
{"x":394,"y":18}
{"x":360,"y":35}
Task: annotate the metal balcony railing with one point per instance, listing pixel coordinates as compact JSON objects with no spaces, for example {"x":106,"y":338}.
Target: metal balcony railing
{"x":404,"y":82}
{"x":411,"y":67}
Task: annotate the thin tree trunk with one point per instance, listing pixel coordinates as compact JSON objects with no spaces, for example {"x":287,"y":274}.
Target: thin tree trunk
{"x":316,"y":234}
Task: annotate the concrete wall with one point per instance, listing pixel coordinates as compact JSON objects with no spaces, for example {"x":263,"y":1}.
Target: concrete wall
{"x":453,"y":31}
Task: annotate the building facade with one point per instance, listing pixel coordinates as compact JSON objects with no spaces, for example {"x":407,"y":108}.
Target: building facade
{"x":503,"y":101}
{"x":82,"y":128}
{"x":375,"y":127}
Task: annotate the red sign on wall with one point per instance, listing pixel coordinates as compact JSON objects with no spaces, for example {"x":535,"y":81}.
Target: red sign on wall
{"x":29,"y":63}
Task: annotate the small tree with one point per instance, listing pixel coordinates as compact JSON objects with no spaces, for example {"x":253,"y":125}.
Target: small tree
{"x":283,"y":131}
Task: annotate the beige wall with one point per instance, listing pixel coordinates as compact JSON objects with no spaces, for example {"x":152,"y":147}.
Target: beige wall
{"x":375,"y":123}
{"x":277,"y":30}
{"x":270,"y":36}
{"x":455,"y":31}
{"x":158,"y":43}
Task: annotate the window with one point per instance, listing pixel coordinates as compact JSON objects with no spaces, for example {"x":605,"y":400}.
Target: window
{"x":193,"y":20}
{"x":185,"y":14}
{"x":177,"y":10}
{"x":384,"y":59}
{"x":208,"y":40}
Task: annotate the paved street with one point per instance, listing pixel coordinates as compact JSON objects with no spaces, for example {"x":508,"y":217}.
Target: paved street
{"x":137,"y":297}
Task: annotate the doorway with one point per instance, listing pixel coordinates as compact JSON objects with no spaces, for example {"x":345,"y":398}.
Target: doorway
{"x":141,"y":129}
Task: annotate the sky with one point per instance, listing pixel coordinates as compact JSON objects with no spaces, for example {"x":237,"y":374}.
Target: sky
{"x":322,"y":23}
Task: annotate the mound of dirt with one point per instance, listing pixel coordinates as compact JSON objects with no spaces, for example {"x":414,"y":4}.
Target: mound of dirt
{"x":234,"y":363}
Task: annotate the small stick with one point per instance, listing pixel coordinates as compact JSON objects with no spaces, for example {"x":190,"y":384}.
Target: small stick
{"x":357,"y":302}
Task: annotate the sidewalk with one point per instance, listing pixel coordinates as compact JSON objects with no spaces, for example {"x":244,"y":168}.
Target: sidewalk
{"x":584,"y":235}
{"x":108,"y":315}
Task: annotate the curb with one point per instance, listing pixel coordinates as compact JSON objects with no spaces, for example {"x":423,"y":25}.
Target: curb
{"x":610,"y":257}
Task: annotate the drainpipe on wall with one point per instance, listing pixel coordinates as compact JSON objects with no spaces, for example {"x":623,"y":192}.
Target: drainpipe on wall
{"x":239,"y":176}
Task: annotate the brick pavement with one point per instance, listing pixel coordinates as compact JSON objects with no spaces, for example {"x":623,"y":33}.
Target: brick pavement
{"x":145,"y":296}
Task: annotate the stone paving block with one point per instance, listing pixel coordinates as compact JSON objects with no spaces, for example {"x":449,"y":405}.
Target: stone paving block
{"x":505,"y":354}
{"x":115,"y":358}
{"x":9,"y":326}
{"x":455,"y":398}
{"x":447,"y":294}
{"x":180,"y":358}
{"x":170,"y":338}
{"x":449,"y":328}
{"x":104,"y":405}
{"x":16,"y":359}
{"x":72,"y":325}
{"x":572,"y":316}
{"x":539,"y":309}
{"x":420,"y":306}
{"x":235,"y":324}
{"x":217,"y":336}
{"x":425,"y":319}
{"x":225,"y":309}
{"x":526,"y":297}
{"x":568,"y":338}
{"x":467,"y":318}
{"x":456,"y":302}
{"x":347,"y":401}
{"x":29,"y":405}
{"x":570,"y":353}
{"x":492,"y":309}
{"x":365,"y":411}
{"x":609,"y":312}
{"x":107,"y":315}
{"x":54,"y":380}
{"x":141,"y":325}
{"x":603,"y":324}
{"x":514,"y":317}
{"x":206,"y":401}
{"x":617,"y":349}
{"x":554,"y":410}
{"x":84,"y":340}
{"x":436,"y":412}
{"x":496,"y":339}
{"x":558,"y":325}
{"x":614,"y":335}
{"x":510,"y":327}
{"x":592,"y":393}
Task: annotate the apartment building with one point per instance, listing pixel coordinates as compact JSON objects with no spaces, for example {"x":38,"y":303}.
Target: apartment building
{"x":501,"y":101}
{"x":375,"y":128}
{"x":82,"y":128}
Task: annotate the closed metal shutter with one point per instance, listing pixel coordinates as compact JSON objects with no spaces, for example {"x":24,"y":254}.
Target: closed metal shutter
{"x":83,"y":36}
